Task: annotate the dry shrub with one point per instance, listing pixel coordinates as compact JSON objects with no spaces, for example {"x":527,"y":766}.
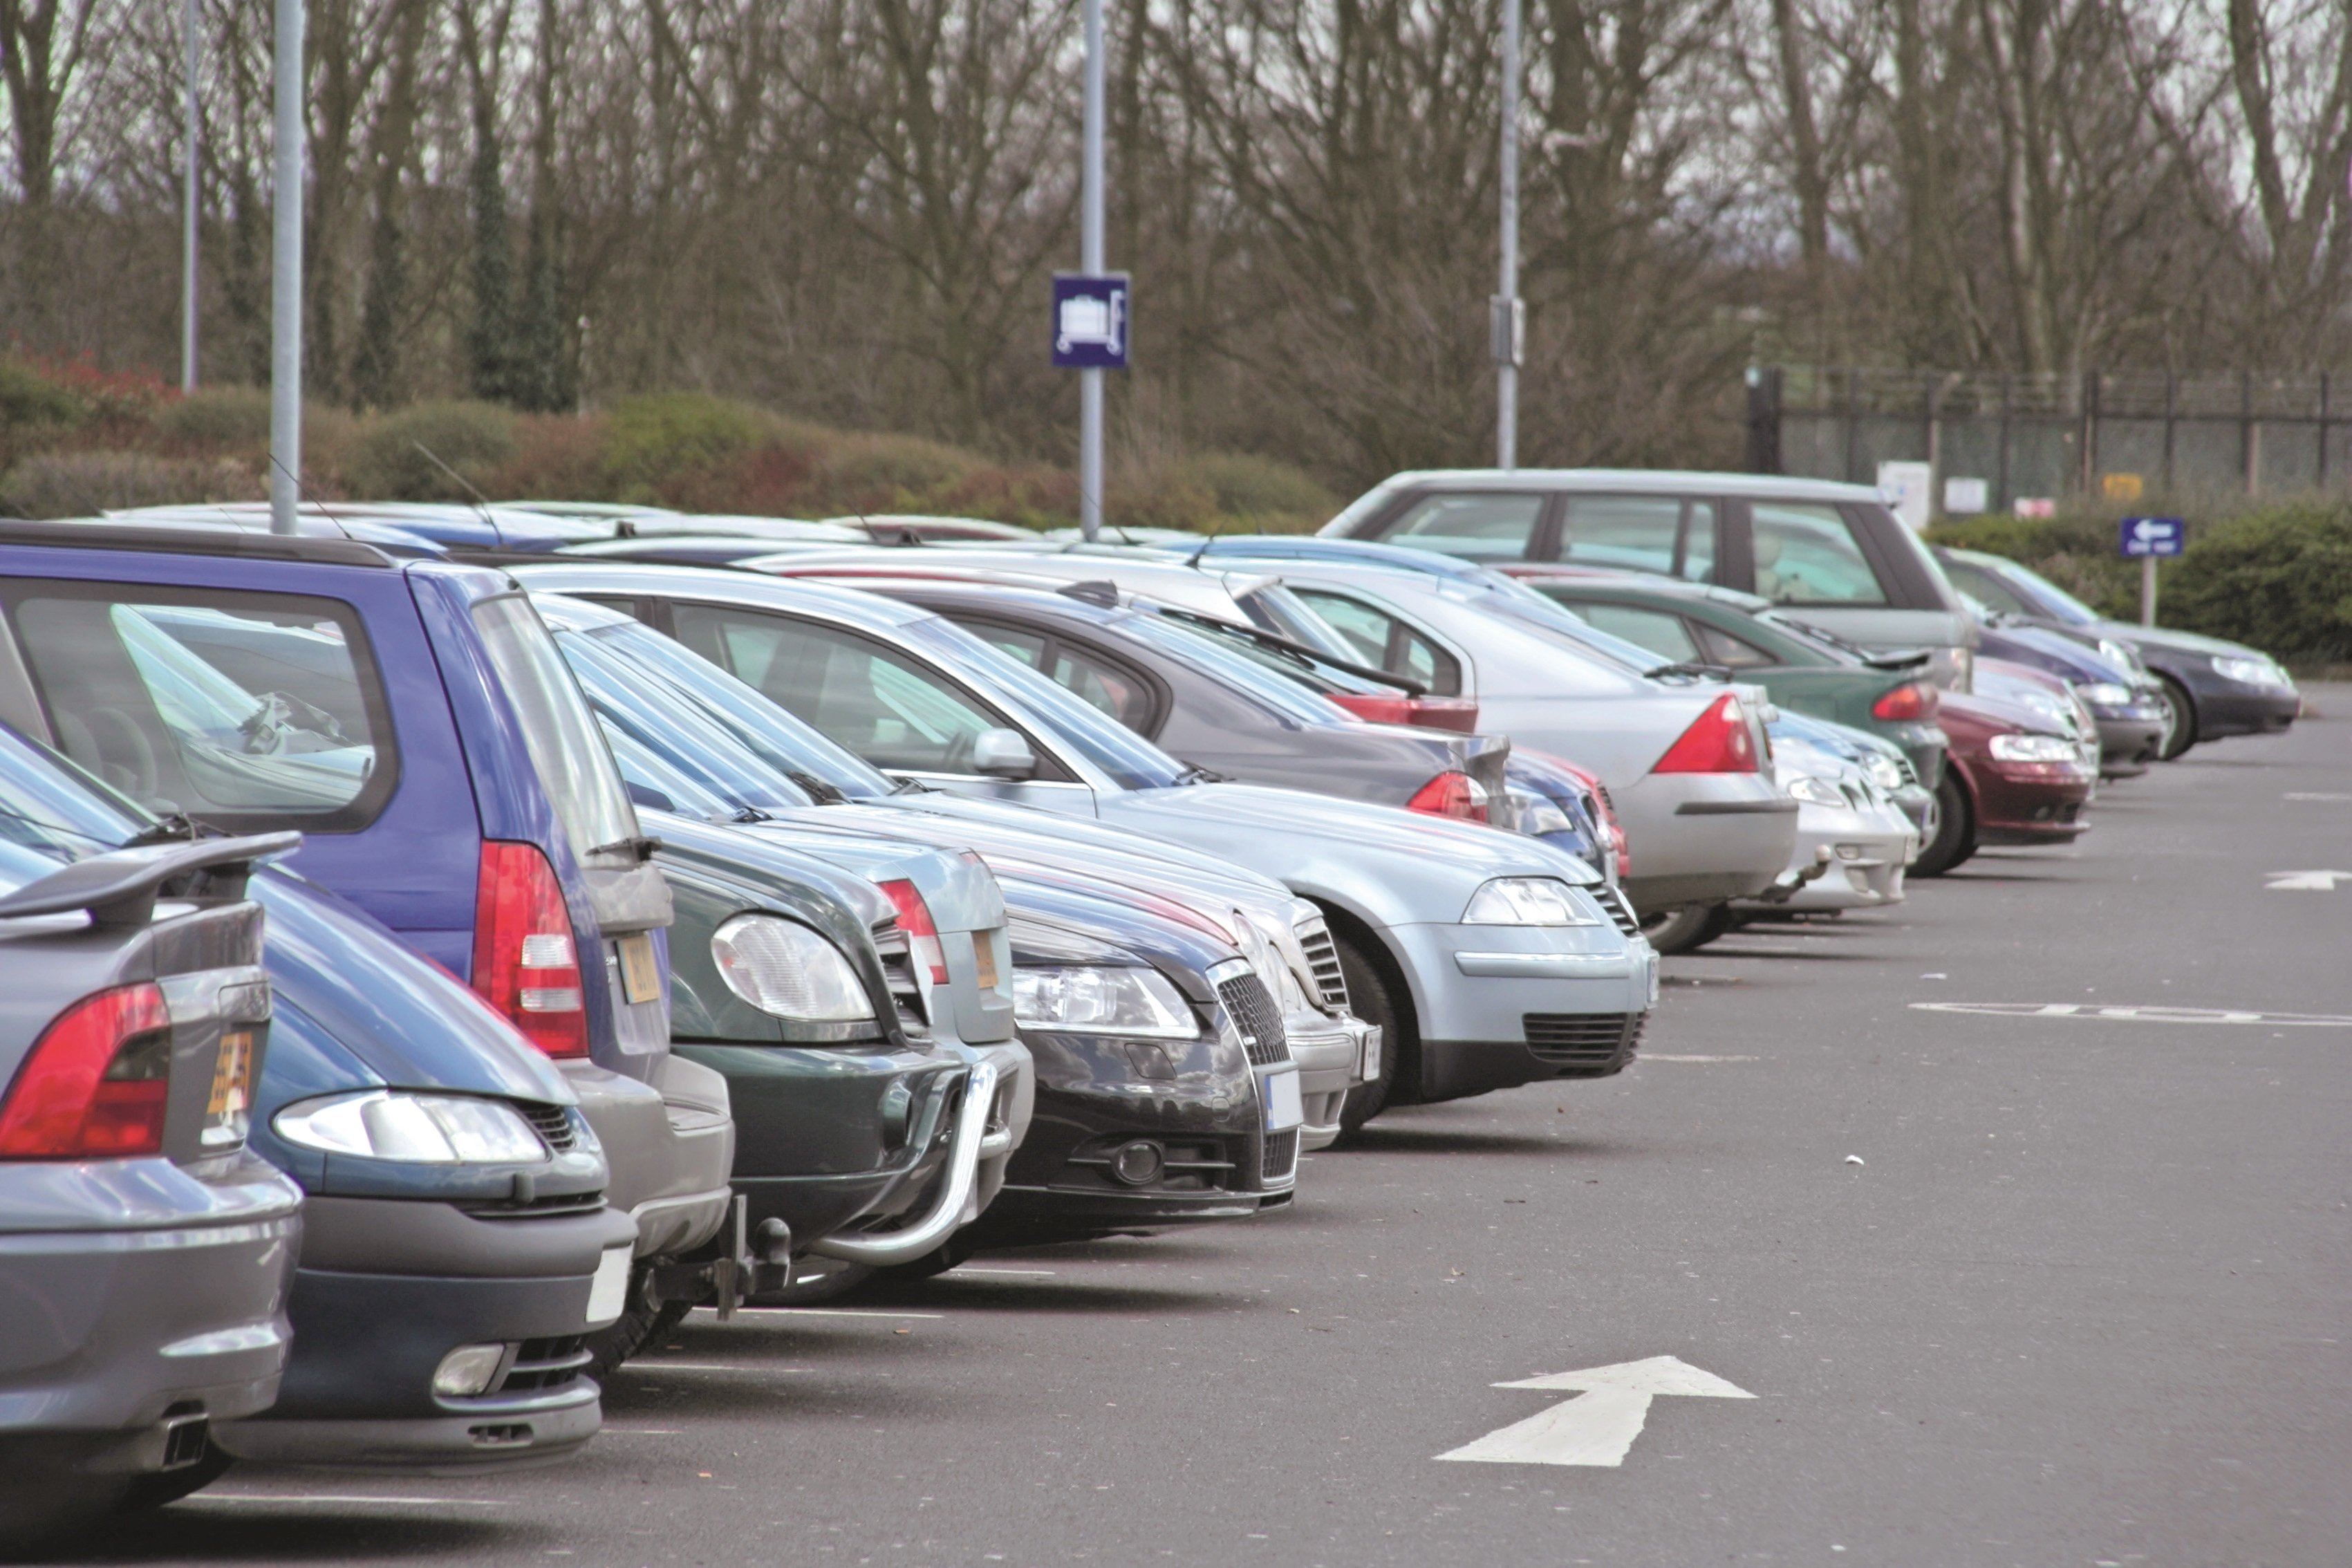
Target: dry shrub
{"x":656,"y":440}
{"x":218,"y":419}
{"x":557,"y":457}
{"x":80,"y":484}
{"x":393,"y":456}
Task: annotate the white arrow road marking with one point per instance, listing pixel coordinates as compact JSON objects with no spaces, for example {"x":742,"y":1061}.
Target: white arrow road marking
{"x":2122,"y":1015}
{"x":2305,"y":881}
{"x":1599,"y":1427}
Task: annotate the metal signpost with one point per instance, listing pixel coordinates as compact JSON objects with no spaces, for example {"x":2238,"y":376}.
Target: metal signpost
{"x":1090,"y":310}
{"x":286,"y":276}
{"x":1509,"y":323}
{"x":2148,"y":538}
{"x":189,"y":196}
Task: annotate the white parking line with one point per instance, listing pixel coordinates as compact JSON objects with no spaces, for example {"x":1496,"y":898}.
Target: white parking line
{"x":829,"y":1312}
{"x":1659,"y":1056}
{"x":1026,"y":1273}
{"x":303,"y":1497}
{"x":705,"y":1367}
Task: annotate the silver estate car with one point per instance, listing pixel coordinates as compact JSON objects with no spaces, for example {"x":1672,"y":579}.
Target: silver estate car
{"x":145,"y":1251}
{"x":1489,"y":959}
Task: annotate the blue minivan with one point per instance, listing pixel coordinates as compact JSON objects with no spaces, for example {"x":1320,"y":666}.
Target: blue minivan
{"x":415,"y":720}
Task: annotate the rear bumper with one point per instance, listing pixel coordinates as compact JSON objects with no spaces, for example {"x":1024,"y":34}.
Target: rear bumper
{"x":1704,"y":837}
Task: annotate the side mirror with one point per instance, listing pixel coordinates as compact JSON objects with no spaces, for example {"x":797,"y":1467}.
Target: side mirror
{"x":650,"y":799}
{"x":1003,"y":753}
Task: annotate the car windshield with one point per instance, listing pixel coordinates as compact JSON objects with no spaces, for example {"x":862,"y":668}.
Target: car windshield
{"x":2057,"y":600}
{"x":1536,"y":610}
{"x":1119,"y":754}
{"x":1264,"y":683}
{"x":663,"y":742}
{"x":566,"y":749}
{"x":1276,"y":609}
{"x":770,"y":732}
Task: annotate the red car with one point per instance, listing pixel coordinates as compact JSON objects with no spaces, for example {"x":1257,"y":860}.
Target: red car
{"x":2009,"y":777}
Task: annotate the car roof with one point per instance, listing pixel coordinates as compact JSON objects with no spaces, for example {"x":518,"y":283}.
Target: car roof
{"x":1147,"y":573}
{"x":101,"y":533}
{"x":725,"y":587}
{"x":1636,"y":481}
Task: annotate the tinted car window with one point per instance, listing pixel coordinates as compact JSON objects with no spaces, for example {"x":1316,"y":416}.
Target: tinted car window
{"x":1807,"y":555}
{"x":566,"y":749}
{"x":1103,"y":686}
{"x":1985,"y":588}
{"x":1384,"y":642}
{"x":1026,"y":647}
{"x":242,"y":709}
{"x":874,"y":700}
{"x":1657,"y":630}
{"x":1482,"y":527}
{"x":1723,"y":647}
{"x":1662,"y":534}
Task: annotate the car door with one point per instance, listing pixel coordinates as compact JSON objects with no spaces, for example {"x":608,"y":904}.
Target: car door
{"x":897,"y":712}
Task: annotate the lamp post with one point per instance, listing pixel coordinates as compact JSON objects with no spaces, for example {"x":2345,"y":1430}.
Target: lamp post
{"x":1090,"y":262}
{"x":190,"y":195}
{"x":1509,"y":314}
{"x":286,"y":276}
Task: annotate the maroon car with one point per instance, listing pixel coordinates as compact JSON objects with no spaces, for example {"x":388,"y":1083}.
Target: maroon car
{"x":2009,"y":777}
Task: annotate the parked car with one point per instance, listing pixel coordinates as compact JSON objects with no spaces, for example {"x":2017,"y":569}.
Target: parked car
{"x":1683,"y":757}
{"x":2216,"y":688}
{"x":918,"y":528}
{"x":146,"y":1251}
{"x":810,"y":783}
{"x":2024,"y":686}
{"x":2129,"y":711}
{"x":2012,"y":777}
{"x":1804,"y":669}
{"x":675,"y":548}
{"x":415,"y":720}
{"x":449,"y":526}
{"x":1854,"y":839}
{"x":1831,"y":552}
{"x":1486,"y":957}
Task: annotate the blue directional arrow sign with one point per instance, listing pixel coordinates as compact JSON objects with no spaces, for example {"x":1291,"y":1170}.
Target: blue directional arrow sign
{"x":2154,"y":535}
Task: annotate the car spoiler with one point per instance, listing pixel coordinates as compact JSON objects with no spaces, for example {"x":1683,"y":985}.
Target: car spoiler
{"x":1898,"y":658}
{"x":120,"y":888}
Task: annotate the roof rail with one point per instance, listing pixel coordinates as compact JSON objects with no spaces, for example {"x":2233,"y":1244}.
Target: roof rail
{"x":194,"y":541}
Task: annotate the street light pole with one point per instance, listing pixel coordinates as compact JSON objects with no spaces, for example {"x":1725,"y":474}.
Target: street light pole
{"x":1090,"y":262}
{"x":286,"y":276}
{"x":189,"y":197}
{"x":1509,"y":320}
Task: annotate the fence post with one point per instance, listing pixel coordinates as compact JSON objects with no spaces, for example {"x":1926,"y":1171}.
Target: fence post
{"x":1852,"y":424}
{"x":2002,"y":499}
{"x":2171,"y":411}
{"x":2249,"y":440}
{"x":2321,"y":482}
{"x":2090,"y":434}
{"x":1764,"y":393}
{"x":1935,"y":448}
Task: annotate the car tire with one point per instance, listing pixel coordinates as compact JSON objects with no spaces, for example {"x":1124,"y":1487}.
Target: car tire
{"x":170,"y":1485}
{"x":812,"y":1290}
{"x":1683,"y":929}
{"x":638,"y":1326}
{"x":1368,"y":998}
{"x":2183,"y":732}
{"x":1955,"y":830}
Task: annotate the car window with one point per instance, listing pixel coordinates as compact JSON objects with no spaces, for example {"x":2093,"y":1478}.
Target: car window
{"x":247,"y":710}
{"x":567,"y":750}
{"x":1385,"y":642}
{"x":1659,"y":631}
{"x":1985,"y":588}
{"x":1267,"y":677}
{"x":1807,"y":555}
{"x":1026,"y":647}
{"x":1726,"y":647}
{"x":1480,"y":526}
{"x":641,"y":716}
{"x":1102,"y":685}
{"x":879,"y":703}
{"x":1662,"y":534}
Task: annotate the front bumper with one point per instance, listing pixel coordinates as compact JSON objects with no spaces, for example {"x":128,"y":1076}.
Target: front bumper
{"x":103,"y":1330}
{"x":2232,"y":709}
{"x":2023,"y":808}
{"x":1867,"y":855}
{"x":2128,"y":738}
{"x":670,"y":1143}
{"x":1490,"y":1001}
{"x":388,"y":1288}
{"x":1330,"y":1062}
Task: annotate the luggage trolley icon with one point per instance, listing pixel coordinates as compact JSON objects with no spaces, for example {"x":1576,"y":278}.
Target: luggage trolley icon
{"x":1093,"y":320}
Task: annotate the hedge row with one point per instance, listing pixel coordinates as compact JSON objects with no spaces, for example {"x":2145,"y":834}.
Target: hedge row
{"x":73,"y":441}
{"x":2276,"y":576}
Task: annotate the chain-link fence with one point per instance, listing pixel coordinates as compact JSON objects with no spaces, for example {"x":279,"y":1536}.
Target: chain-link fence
{"x":2007,"y":438}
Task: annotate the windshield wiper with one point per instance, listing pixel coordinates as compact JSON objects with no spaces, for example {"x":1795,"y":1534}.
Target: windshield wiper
{"x":173,"y":829}
{"x":911,"y":786}
{"x":1196,"y":773}
{"x":815,"y":788}
{"x":1693,"y":670}
{"x":640,"y":848}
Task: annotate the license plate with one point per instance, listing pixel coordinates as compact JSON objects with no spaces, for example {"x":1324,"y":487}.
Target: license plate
{"x":983,"y":958}
{"x":231,"y":1100}
{"x":1284,"y":1108}
{"x":640,"y":976}
{"x":1369,"y":1070}
{"x":608,"y":1292}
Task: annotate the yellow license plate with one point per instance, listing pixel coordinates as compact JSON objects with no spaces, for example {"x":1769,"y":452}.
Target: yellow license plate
{"x":232,"y":1096}
{"x":983,"y":956}
{"x":640,"y":976}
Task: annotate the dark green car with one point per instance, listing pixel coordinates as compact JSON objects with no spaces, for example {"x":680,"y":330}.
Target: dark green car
{"x":1805,"y":669}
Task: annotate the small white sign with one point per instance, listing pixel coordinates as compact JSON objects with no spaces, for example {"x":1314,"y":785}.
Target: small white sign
{"x":1965,"y":497}
{"x":1906,"y":488}
{"x":1285,"y":1107}
{"x":608,"y":1291}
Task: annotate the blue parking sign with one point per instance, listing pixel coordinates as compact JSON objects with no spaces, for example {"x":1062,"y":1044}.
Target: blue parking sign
{"x":2154,"y":535}
{"x":1090,"y":321}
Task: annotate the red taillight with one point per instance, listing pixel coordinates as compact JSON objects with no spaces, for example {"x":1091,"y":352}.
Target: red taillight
{"x":1717,"y":742}
{"x":1381,"y":708}
{"x":526,"y":960}
{"x":97,"y":1081}
{"x":1907,"y":701}
{"x":1457,"y":795}
{"x":1458,"y":713}
{"x":915,"y":920}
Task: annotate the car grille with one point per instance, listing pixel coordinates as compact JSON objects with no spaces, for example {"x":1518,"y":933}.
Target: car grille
{"x":551,"y":1122}
{"x":1279,"y":1161}
{"x":1256,"y":1016}
{"x":553,"y":1207}
{"x":898,"y":973}
{"x":1189,"y":1165}
{"x":1621,"y":914}
{"x":542,"y":1364}
{"x":1323,"y":957}
{"x":1595,"y":1043}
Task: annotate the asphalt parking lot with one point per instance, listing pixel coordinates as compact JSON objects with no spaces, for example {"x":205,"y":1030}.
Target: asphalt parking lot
{"x":2082,"y":1299}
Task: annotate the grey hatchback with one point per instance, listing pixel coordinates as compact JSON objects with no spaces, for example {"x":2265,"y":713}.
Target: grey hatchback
{"x":145,"y":1252}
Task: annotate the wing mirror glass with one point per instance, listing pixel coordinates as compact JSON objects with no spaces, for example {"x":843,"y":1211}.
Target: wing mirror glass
{"x":1003,"y":753}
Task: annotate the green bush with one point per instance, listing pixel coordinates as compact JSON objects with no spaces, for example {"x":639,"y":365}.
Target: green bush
{"x":2279,"y":579}
{"x":234,"y":416}
{"x":653,"y":440}
{"x":80,"y":484}
{"x":1257,"y":494}
{"x":388,"y":459}
{"x":30,"y":400}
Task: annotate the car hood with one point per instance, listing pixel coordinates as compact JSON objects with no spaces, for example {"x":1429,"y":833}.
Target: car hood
{"x":394,"y":1018}
{"x":2183,"y":642}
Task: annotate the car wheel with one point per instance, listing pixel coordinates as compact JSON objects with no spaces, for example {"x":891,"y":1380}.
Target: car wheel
{"x":1956,"y":834}
{"x":2181,"y":729}
{"x":637,"y":1326}
{"x":1368,"y":998}
{"x":171,"y":1486}
{"x":1682,"y":930}
{"x":808,"y":1290}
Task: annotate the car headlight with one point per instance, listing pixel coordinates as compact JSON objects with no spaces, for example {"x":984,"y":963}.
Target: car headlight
{"x":1536,"y":813}
{"x":2032,"y":749}
{"x":1527,"y":901}
{"x":787,"y":971}
{"x":1887,"y":772}
{"x":424,"y":1128}
{"x":2256,"y":671}
{"x":1096,"y":999}
{"x":2122,"y":655}
{"x":2105,"y":694}
{"x":1820,"y":791}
